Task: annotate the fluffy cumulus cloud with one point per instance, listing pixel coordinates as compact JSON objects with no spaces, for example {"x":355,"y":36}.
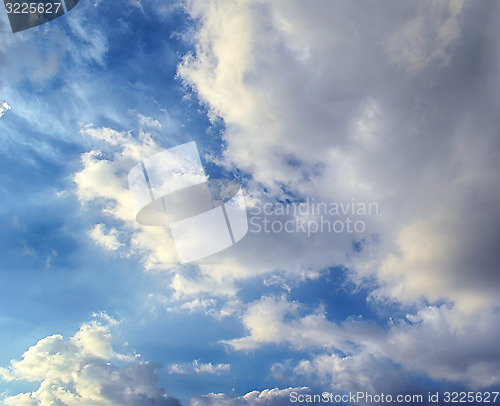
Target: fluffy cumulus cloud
{"x":277,"y":321}
{"x":341,"y":100}
{"x":393,"y":103}
{"x":360,"y":355}
{"x":102,"y":181}
{"x":268,"y":397}
{"x":83,"y":370}
{"x":102,"y":185}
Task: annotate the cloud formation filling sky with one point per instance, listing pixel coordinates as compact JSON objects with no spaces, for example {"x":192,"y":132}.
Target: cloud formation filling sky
{"x":388,"y":104}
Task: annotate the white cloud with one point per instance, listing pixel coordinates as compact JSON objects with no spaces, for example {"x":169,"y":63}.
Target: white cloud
{"x":4,"y":106}
{"x":265,"y":321}
{"x":108,"y":240}
{"x":449,"y":345}
{"x":149,"y":122}
{"x":304,"y":110}
{"x":198,"y":367}
{"x":103,"y":181}
{"x":361,"y":372}
{"x":102,"y":184}
{"x":337,"y":101}
{"x":292,"y":85}
{"x":440,"y":342}
{"x":80,"y":371}
{"x":268,"y":397}
{"x":332,"y":101}
{"x":219,"y":308}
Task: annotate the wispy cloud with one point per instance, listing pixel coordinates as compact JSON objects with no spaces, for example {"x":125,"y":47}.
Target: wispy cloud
{"x":198,"y":367}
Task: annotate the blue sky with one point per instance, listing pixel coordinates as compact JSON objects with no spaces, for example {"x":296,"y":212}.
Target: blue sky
{"x":389,"y":103}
